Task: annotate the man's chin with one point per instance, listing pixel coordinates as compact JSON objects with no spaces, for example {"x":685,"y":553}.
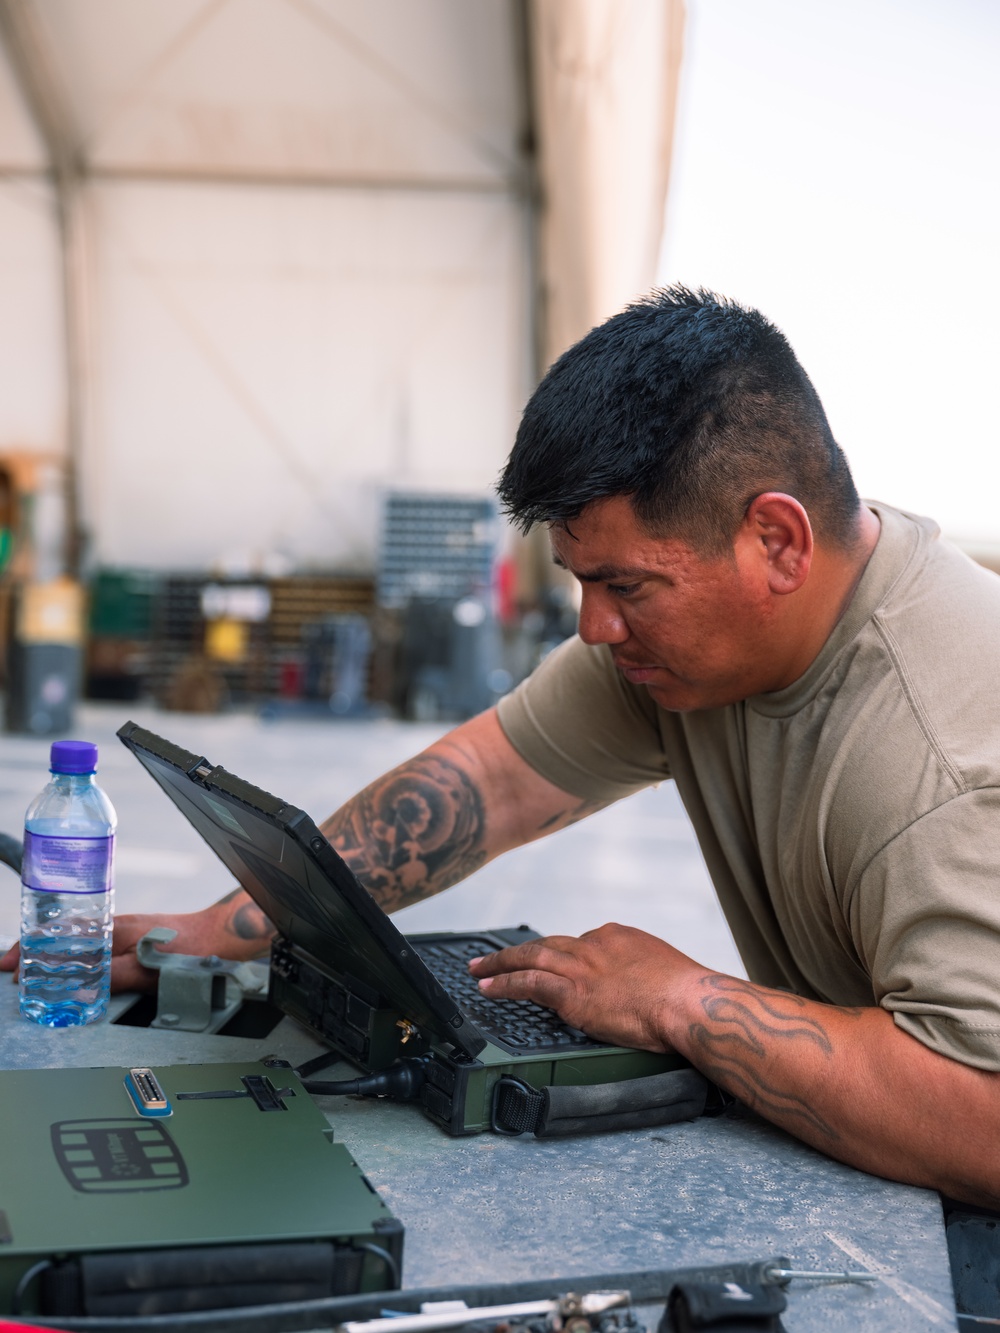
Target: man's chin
{"x":677,"y":696}
{"x":666,"y":690}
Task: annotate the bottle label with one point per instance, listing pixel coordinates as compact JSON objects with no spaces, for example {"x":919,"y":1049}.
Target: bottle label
{"x":67,"y":865}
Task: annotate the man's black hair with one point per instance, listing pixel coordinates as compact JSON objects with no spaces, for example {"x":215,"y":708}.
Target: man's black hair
{"x":689,"y":404}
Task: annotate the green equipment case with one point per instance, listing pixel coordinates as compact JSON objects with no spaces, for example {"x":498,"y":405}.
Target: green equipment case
{"x":184,"y":1188}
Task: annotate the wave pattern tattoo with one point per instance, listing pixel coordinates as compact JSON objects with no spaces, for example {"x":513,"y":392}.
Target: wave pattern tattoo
{"x":413,"y":832}
{"x":743,"y":1025}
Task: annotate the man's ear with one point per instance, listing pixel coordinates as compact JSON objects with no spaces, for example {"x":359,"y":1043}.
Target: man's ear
{"x":778,"y":527}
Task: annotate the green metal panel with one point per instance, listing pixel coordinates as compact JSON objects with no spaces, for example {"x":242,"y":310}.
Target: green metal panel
{"x":82,"y":1171}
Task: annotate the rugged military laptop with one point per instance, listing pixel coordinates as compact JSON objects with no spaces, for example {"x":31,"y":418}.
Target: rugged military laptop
{"x":150,"y":1191}
{"x":341,"y":967}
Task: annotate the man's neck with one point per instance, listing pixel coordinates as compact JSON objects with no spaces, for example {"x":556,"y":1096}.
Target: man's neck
{"x":819,"y":605}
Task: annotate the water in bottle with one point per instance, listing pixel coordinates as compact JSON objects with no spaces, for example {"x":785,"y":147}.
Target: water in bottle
{"x":66,"y":893}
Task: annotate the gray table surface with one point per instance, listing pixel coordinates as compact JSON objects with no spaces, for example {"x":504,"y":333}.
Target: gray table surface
{"x":489,"y":1208}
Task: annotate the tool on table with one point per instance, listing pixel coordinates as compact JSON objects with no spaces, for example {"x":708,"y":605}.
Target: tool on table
{"x":772,"y":1273}
{"x":570,"y":1305}
{"x":572,"y":1313}
{"x":752,"y":1301}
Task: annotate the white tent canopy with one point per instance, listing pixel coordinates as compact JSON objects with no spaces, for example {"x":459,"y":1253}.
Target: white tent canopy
{"x":262,"y":259}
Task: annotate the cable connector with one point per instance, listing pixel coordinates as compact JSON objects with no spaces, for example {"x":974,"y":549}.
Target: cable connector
{"x":401,"y":1081}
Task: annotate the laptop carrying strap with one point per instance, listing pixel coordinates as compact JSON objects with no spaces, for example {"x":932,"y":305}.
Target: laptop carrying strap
{"x":636,"y":1103}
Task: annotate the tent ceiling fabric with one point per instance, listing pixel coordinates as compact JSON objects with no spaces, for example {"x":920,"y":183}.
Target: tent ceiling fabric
{"x":318,"y":89}
{"x":304,"y":242}
{"x":606,"y":75}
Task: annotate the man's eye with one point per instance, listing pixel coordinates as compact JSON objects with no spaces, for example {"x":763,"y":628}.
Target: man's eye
{"x":623,"y":589}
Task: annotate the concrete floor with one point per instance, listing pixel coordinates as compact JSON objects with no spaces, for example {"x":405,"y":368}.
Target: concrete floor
{"x":636,"y":862}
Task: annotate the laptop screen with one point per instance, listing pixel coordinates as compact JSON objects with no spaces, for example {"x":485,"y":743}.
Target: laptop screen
{"x":305,"y":889}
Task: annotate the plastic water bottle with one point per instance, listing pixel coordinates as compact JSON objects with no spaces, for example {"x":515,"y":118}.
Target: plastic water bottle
{"x":67,"y":896}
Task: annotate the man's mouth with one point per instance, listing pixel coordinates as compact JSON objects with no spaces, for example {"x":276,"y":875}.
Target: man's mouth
{"x":636,"y":675}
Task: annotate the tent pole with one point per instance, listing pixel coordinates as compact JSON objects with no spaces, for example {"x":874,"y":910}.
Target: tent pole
{"x":27,"y":48}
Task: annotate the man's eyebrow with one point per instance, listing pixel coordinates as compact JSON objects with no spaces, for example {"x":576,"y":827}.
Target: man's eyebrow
{"x":605,"y":573}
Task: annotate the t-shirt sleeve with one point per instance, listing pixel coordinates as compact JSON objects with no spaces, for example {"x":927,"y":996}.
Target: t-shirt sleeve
{"x":579,"y":724}
{"x":926,"y":914}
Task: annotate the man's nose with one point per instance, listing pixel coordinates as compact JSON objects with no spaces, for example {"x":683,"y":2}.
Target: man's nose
{"x":601,"y":620}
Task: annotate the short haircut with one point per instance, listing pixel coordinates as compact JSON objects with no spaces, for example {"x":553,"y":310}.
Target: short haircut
{"x":689,"y":404}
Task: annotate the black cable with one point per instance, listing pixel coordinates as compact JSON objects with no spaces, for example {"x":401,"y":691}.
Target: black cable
{"x":391,"y":1267}
{"x":317,"y":1063}
{"x":401,"y":1081}
{"x":25,"y":1281}
{"x":11,"y":851}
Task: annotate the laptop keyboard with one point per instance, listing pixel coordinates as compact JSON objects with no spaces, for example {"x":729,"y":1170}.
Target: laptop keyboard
{"x":518,"y":1023}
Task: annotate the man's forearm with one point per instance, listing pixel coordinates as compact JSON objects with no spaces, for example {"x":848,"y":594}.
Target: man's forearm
{"x":848,"y":1081}
{"x":408,"y":835}
{"x":422,"y":827}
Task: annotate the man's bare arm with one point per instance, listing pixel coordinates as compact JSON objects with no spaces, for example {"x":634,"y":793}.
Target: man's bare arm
{"x":852,"y":1083}
{"x":441,"y":815}
{"x":848,"y":1081}
{"x":409,"y":834}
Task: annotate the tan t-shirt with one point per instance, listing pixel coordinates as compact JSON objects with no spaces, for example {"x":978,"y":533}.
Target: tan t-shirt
{"x":850,"y":822}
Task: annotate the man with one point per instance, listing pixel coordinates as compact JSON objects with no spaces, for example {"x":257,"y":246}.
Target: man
{"x":817,"y":677}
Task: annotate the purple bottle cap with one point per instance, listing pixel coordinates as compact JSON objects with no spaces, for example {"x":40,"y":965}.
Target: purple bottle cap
{"x":73,"y":757}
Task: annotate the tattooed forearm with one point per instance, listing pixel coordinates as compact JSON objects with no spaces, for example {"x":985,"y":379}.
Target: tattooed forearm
{"x":743,"y":1026}
{"x":413,"y":832}
{"x":747,"y":1013}
{"x":729,"y":1071}
{"x":847,"y":1080}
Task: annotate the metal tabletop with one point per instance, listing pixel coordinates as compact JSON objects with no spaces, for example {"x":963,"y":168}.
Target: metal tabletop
{"x":496,"y":1209}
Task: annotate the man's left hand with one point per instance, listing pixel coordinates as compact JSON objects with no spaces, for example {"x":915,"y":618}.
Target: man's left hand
{"x":848,"y":1081}
{"x":614,"y":983}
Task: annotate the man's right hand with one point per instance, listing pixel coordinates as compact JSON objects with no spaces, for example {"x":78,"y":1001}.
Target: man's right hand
{"x":195,"y":935}
{"x":234,"y":927}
